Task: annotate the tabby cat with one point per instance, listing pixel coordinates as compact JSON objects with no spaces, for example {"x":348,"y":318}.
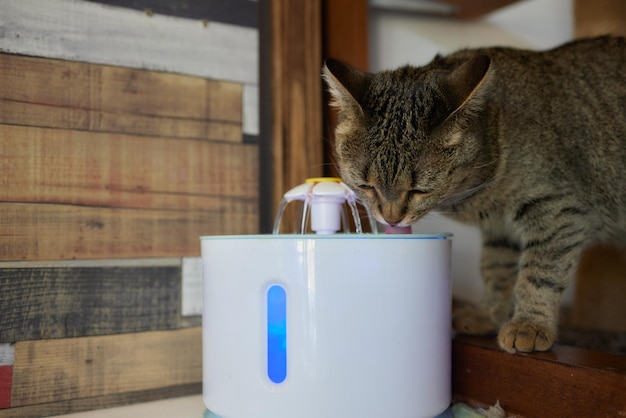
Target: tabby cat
{"x":529,"y":146}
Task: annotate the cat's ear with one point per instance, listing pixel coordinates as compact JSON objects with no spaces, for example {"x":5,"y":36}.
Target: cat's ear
{"x":465,"y":82}
{"x":464,"y":89}
{"x":346,"y":84}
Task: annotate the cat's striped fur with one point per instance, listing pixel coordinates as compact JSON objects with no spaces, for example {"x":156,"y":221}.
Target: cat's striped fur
{"x":530,"y":146}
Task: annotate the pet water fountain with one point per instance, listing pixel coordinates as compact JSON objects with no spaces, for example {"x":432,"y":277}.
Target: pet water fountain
{"x":325,"y":324}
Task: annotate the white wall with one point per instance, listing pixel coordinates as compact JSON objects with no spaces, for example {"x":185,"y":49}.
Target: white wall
{"x":403,"y":38}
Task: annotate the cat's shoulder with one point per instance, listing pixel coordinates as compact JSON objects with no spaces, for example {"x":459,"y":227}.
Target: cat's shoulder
{"x":578,"y":47}
{"x":607,"y":51}
{"x":592,"y":44}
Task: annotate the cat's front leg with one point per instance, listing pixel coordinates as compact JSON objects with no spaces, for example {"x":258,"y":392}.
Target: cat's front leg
{"x":499,"y":269}
{"x":546,"y":269}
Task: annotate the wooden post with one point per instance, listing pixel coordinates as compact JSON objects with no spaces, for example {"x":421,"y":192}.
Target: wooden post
{"x":295,"y":93}
{"x":345,"y":39}
{"x":599,"y":17}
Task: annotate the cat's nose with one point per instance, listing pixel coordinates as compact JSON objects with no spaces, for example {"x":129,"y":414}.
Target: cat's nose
{"x":391,"y":214}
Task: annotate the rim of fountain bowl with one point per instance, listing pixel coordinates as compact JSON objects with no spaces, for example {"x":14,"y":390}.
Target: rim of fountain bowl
{"x":368,"y":236}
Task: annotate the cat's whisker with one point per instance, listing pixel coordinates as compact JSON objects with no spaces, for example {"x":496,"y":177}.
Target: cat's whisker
{"x":437,"y":216}
{"x":461,"y":196}
{"x":444,"y":215}
{"x":434,"y":218}
{"x":487,"y":164}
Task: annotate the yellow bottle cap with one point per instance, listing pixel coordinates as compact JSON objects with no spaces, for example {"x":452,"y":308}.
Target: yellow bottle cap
{"x":323,"y":180}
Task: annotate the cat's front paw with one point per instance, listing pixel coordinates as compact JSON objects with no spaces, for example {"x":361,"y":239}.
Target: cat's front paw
{"x":526,"y":336}
{"x":474,"y":321}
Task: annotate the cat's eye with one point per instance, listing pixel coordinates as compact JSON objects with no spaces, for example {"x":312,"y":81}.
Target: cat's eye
{"x":418,"y":192}
{"x":367,"y":188}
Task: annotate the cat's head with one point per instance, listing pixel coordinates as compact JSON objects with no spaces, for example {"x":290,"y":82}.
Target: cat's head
{"x":409,"y":140}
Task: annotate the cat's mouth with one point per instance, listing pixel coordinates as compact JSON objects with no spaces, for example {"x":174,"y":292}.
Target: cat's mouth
{"x":395,"y":225}
{"x":402,"y":222}
{"x":391,"y":219}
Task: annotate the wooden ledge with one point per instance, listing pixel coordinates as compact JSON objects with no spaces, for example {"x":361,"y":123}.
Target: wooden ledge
{"x":564,"y":382}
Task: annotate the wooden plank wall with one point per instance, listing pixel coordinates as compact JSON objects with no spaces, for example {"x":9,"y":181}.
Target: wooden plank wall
{"x":125,"y":134}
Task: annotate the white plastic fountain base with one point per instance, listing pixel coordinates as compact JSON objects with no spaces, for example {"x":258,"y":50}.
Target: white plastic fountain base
{"x":334,"y":326}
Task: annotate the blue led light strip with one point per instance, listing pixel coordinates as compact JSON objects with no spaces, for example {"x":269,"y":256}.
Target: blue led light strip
{"x":276,"y":334}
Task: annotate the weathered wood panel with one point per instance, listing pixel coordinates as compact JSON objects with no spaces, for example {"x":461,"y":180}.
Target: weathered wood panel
{"x":75,"y":368}
{"x":564,"y":382}
{"x":188,"y":188}
{"x":6,"y":354}
{"x":119,"y":262}
{"x":237,"y":12}
{"x":101,"y":169}
{"x":100,"y":402}
{"x":28,"y":114}
{"x":61,"y":232}
{"x":91,"y":32}
{"x":71,"y":95}
{"x":46,"y":303}
{"x":103,"y":162}
{"x":251,"y":110}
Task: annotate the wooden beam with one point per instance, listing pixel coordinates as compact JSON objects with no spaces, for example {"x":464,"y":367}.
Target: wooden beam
{"x":564,"y":382}
{"x":345,"y":37}
{"x":346,"y":31}
{"x":599,"y":17}
{"x":296,"y":121}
